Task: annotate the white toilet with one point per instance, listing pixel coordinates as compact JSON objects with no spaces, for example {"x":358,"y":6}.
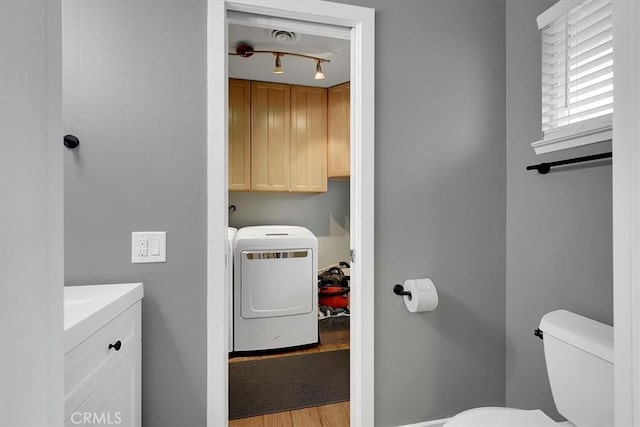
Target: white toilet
{"x":579,"y":356}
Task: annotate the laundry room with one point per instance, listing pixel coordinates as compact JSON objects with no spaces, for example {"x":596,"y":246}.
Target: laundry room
{"x":289,"y":221}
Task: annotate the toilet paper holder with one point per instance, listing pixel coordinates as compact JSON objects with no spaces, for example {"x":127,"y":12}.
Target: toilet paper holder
{"x":398,"y":289}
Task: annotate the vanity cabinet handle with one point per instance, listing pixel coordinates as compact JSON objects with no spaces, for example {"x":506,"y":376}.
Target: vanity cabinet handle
{"x":115,"y":346}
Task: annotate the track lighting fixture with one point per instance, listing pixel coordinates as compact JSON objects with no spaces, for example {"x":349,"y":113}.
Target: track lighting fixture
{"x":246,"y":51}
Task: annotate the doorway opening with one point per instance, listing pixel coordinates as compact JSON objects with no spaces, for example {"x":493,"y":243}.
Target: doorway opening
{"x":289,"y":168}
{"x":312,"y":18}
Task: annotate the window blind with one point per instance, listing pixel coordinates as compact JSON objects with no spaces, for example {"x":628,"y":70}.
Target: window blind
{"x":577,"y":68}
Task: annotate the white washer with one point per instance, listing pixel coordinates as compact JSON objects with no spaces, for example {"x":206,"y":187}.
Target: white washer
{"x":275,"y":288}
{"x":231,"y":241}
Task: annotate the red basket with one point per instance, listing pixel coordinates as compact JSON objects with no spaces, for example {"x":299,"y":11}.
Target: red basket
{"x":334,"y":296}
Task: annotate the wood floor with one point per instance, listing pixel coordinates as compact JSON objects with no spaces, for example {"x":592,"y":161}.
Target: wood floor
{"x":334,"y":415}
{"x":333,"y":346}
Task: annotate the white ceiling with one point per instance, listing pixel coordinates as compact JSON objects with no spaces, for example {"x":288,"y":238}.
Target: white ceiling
{"x":299,"y":71}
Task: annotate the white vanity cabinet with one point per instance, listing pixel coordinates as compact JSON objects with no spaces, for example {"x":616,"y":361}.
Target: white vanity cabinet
{"x":103,"y":350}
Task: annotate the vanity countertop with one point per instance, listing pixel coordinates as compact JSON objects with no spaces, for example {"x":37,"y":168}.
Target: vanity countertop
{"x":89,"y":308}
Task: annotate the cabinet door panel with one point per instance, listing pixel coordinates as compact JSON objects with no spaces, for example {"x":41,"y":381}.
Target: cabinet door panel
{"x":117,"y":401}
{"x":339,"y":138}
{"x":239,"y":135}
{"x":308,"y":139}
{"x":270,"y":127}
{"x":89,"y":363}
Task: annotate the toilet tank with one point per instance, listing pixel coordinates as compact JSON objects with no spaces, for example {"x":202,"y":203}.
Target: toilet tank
{"x":579,"y":356}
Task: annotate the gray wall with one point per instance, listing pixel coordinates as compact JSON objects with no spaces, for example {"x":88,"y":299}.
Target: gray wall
{"x":325,"y":214}
{"x":135,"y":95}
{"x":440,"y":205}
{"x":559,"y":238}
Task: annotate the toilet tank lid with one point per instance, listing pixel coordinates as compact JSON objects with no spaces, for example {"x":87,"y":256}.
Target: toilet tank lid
{"x":581,"y":332}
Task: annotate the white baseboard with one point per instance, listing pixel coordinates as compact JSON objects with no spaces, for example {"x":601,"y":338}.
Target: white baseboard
{"x":432,"y":423}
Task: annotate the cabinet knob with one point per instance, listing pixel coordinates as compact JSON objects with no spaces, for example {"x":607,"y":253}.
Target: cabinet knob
{"x":115,"y":346}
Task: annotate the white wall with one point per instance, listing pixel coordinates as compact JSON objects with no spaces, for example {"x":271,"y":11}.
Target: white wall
{"x":626,"y":212}
{"x":326,"y":215}
{"x":31,"y":215}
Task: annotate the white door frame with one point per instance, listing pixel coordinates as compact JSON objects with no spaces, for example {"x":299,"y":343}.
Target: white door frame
{"x":361,"y":22}
{"x":31,"y":214}
{"x":626,"y":212}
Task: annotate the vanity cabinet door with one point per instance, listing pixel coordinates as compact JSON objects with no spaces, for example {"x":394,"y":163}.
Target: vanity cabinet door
{"x":87,"y":365}
{"x":239,"y":135}
{"x":270,"y":132}
{"x":117,"y":401}
{"x":339,"y":139}
{"x":308,"y":139}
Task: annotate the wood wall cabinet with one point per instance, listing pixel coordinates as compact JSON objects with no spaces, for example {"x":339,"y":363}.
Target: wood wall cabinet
{"x":270,"y":132}
{"x":308,"y":152}
{"x":287,"y":138}
{"x":339,"y":132}
{"x":239,"y":135}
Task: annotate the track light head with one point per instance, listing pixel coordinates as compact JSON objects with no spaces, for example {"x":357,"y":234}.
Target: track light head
{"x":278,"y":69}
{"x":319,"y":74}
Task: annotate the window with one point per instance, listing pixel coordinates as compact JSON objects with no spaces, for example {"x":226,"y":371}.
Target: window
{"x":577,"y":74}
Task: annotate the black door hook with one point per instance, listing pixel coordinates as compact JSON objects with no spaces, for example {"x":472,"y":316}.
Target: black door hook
{"x":71,"y":141}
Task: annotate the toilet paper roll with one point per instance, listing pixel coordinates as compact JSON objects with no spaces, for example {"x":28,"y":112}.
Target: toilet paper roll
{"x":424,"y":296}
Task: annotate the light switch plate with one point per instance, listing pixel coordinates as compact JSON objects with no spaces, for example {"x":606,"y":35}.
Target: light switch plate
{"x":148,"y":246}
